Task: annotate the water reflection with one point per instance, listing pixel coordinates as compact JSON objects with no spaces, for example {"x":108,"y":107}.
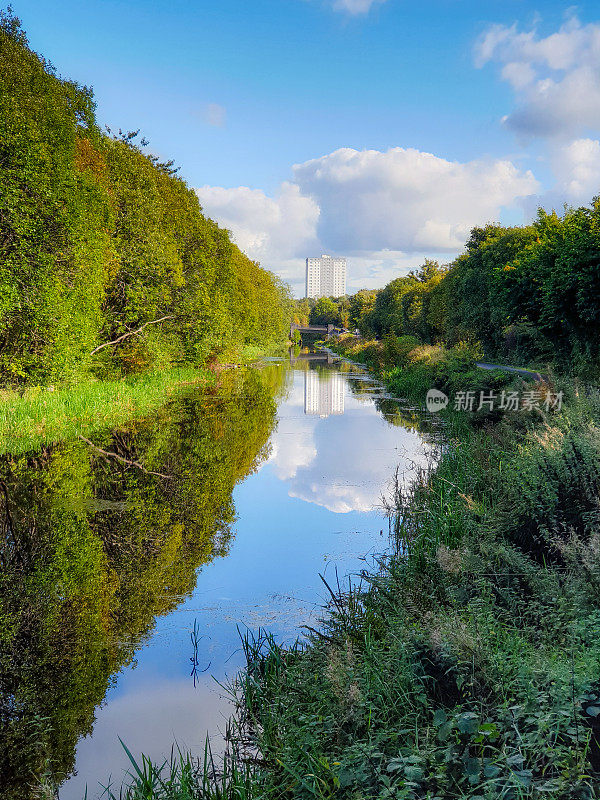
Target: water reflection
{"x":300,"y":358}
{"x":99,"y":539}
{"x":344,"y":465}
{"x":219,"y":510}
{"x":323,"y":393}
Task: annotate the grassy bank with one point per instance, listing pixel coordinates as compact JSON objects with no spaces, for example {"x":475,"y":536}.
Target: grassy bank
{"x":410,"y":368}
{"x":41,"y":415}
{"x":38,"y":415}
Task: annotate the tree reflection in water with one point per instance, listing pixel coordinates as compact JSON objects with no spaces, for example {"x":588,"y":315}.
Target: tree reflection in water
{"x":99,"y":537}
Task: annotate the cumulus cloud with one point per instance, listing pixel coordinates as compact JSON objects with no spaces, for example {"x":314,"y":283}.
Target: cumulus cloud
{"x":577,"y":170}
{"x":269,"y":229}
{"x":374,"y":269}
{"x":356,"y":7}
{"x":556,"y":78}
{"x":384,"y":210}
{"x":404,"y":199}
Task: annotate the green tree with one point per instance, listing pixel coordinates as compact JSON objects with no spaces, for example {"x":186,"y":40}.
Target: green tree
{"x":102,"y":243}
{"x":325,"y":312}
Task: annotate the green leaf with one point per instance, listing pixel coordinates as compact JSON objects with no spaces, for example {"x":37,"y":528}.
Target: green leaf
{"x":467,"y":722}
{"x":439,"y":717}
{"x":488,"y":728}
{"x":444,"y":731}
{"x":346,"y":778}
{"x":413,"y":773}
{"x":491,"y":770}
{"x":473,"y":766}
{"x":524,"y":776}
{"x":396,"y":764}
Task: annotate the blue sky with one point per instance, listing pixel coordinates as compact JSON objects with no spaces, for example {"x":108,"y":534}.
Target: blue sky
{"x":393,"y":110}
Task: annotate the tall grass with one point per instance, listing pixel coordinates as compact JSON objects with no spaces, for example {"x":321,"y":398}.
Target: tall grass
{"x":181,"y":777}
{"x":41,"y":415}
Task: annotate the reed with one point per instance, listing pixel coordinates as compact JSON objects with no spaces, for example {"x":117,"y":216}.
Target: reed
{"x":181,"y":777}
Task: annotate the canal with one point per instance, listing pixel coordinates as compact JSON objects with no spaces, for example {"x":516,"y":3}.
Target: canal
{"x":217,"y":514}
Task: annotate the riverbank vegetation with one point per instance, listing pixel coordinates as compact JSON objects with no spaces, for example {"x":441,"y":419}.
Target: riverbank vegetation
{"x":410,"y":368}
{"x":38,"y":416}
{"x":107,"y":264}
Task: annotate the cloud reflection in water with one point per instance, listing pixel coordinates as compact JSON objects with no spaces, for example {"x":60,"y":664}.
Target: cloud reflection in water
{"x":324,"y":459}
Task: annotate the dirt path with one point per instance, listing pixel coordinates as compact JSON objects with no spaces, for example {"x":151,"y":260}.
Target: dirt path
{"x":528,"y":373}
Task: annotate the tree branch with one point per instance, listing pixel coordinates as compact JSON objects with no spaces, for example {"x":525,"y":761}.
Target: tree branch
{"x":127,"y":461}
{"x":131,"y":333}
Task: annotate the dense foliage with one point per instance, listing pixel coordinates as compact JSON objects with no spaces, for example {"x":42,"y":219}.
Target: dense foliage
{"x":324,"y":312}
{"x":98,"y":238}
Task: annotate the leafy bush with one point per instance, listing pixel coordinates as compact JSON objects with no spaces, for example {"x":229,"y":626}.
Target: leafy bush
{"x":397,"y":348}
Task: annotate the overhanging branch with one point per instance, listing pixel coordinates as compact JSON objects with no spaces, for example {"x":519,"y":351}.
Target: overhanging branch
{"x":131,"y":333}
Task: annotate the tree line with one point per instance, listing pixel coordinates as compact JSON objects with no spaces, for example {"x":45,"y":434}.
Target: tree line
{"x":101,"y":242}
{"x":529,"y":293}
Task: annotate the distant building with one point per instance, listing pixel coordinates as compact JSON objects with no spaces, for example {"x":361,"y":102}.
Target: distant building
{"x":325,"y":277}
{"x":323,"y":394}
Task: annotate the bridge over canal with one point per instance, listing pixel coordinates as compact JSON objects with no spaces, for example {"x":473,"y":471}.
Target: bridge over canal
{"x":326,"y":329}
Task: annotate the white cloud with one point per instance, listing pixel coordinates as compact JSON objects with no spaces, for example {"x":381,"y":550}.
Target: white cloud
{"x":384,"y":210}
{"x":271,"y":230}
{"x":518,"y":73}
{"x":371,"y":270}
{"x":354,"y":480}
{"x":404,"y":199}
{"x":577,"y":170}
{"x":556,"y":78}
{"x":215,"y":115}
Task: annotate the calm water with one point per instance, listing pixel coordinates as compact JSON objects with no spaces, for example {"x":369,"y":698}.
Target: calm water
{"x":268,"y":481}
